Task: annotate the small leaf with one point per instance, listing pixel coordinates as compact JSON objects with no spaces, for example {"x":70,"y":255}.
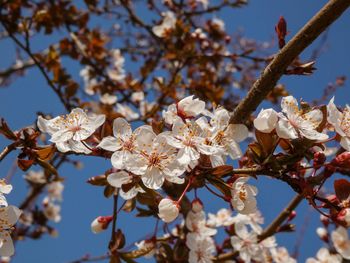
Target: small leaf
{"x":109,"y":191}
{"x":24,"y":164}
{"x":342,"y":189}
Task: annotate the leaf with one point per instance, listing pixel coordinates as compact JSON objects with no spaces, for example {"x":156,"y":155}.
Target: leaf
{"x":129,"y":205}
{"x":6,"y":131}
{"x":267,"y":142}
{"x":281,"y":30}
{"x":222,"y":170}
{"x":109,"y":191}
{"x":24,"y":164}
{"x":45,"y":153}
{"x":98,"y":180}
{"x":342,"y":189}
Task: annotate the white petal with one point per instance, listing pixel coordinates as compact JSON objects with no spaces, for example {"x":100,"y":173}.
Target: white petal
{"x":118,"y":179}
{"x":289,"y":106}
{"x":345,"y":143}
{"x":110,"y":143}
{"x":314,"y":135}
{"x":237,"y":132}
{"x":7,"y":249}
{"x":121,"y":129}
{"x":153,"y":178}
{"x":285,"y":130}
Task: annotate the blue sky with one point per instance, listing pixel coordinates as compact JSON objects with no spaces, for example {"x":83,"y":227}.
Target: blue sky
{"x":82,"y":202}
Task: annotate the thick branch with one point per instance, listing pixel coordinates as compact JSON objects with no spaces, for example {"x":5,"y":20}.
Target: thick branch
{"x":273,"y":72}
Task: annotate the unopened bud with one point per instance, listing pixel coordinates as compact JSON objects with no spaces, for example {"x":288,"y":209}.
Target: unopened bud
{"x":322,"y":233}
{"x":292,"y":215}
{"x":319,"y":158}
{"x":324,"y":220}
{"x":197,"y":205}
{"x":100,"y":224}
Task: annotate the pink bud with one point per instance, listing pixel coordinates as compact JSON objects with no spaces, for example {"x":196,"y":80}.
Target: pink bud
{"x":319,"y":158}
{"x":100,"y":223}
{"x":292,"y":215}
{"x":197,"y":205}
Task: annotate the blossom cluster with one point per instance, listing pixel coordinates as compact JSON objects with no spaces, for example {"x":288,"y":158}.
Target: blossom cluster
{"x":9,"y":215}
{"x":192,"y":137}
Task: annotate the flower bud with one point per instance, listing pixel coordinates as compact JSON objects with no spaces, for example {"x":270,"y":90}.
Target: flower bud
{"x":100,"y":224}
{"x":266,"y":120}
{"x":197,"y":205}
{"x":319,"y":158}
{"x":324,"y":220}
{"x":168,"y":210}
{"x":322,"y":233}
{"x":292,"y":215}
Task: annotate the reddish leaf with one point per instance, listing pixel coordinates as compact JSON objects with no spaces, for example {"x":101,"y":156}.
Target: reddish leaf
{"x":24,"y":164}
{"x":281,"y":30}
{"x":342,"y":189}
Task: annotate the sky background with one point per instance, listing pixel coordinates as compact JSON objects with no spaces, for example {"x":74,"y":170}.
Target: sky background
{"x":82,"y":202}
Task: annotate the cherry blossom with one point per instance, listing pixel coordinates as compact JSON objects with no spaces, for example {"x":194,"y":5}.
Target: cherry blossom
{"x":68,"y":131}
{"x":341,"y":123}
{"x":187,"y":138}
{"x":155,"y":161}
{"x":117,"y":73}
{"x":100,"y":224}
{"x":123,"y":141}
{"x":168,"y":210}
{"x":201,"y":249}
{"x":281,"y":255}
{"x":108,"y":99}
{"x":8,"y":217}
{"x":121,"y":178}
{"x":266,"y":120}
{"x":243,"y":196}
{"x":295,"y":123}
{"x":222,"y":218}
{"x":341,"y":241}
{"x":35,"y":177}
{"x":168,"y":23}
{"x":4,"y":189}
{"x":246,"y":243}
{"x":324,"y":256}
{"x":185,"y":108}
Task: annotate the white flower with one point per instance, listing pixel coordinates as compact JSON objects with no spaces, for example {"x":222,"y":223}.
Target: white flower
{"x":187,"y":138}
{"x":347,"y":216}
{"x":296,"y":123}
{"x":243,"y":196}
{"x":168,"y":210}
{"x":4,"y":189}
{"x":155,"y":162}
{"x":201,"y":249}
{"x":108,"y":99}
{"x":281,"y":255}
{"x":323,"y":256}
{"x":168,"y":23}
{"x":222,"y":218}
{"x":196,"y":223}
{"x":246,"y":243}
{"x":123,"y":141}
{"x":254,"y":220}
{"x":8,"y":217}
{"x":220,"y":24}
{"x":185,"y":108}
{"x":51,"y":210}
{"x":204,"y":3}
{"x":117,"y":73}
{"x":137,"y":96}
{"x":341,"y":241}
{"x":266,"y":120}
{"x":36,"y":177}
{"x":120,"y":178}
{"x":89,"y":83}
{"x":55,"y":190}
{"x":341,"y":123}
{"x":68,"y":131}
{"x":100,"y":224}
{"x":224,"y":136}
{"x":321,"y":232}
{"x":127,"y":112}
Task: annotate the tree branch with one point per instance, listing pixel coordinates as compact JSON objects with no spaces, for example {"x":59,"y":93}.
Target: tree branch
{"x":273,"y":72}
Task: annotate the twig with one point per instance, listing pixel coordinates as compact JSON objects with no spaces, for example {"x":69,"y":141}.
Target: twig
{"x":271,"y":229}
{"x":273,"y":72}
